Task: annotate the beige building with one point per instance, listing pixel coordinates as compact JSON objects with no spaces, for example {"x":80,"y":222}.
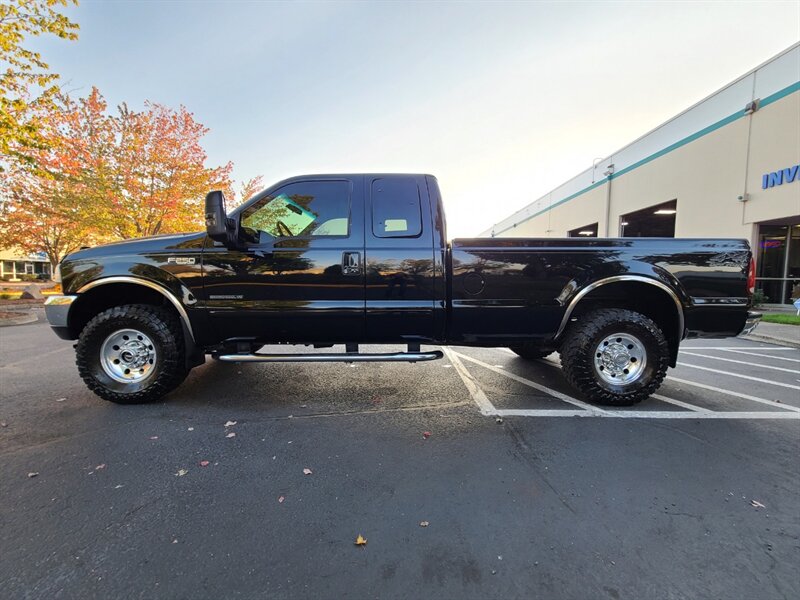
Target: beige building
{"x":16,"y":265}
{"x":729,"y":166}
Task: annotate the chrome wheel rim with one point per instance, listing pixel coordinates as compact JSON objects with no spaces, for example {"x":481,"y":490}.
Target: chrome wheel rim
{"x":128,"y":356}
{"x":620,"y":359}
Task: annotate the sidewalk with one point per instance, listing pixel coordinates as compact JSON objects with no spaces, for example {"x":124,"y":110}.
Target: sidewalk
{"x":775,"y":333}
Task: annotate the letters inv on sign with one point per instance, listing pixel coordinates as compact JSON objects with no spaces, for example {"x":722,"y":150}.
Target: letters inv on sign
{"x":787,"y":175}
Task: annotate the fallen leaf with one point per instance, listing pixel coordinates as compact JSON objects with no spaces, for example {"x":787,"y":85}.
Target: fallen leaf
{"x":375,"y":400}
{"x":181,"y":473}
{"x":33,"y":474}
{"x":60,"y":399}
{"x":757,"y":504}
{"x":361,"y":541}
{"x":204,"y":463}
{"x":99,"y":467}
{"x":230,"y":435}
{"x":230,"y":423}
{"x":426,"y":435}
{"x":423,"y":523}
{"x":153,"y":437}
{"x":307,"y":471}
{"x":281,"y":499}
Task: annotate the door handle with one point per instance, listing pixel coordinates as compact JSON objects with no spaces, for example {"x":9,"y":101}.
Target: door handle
{"x":351,"y":263}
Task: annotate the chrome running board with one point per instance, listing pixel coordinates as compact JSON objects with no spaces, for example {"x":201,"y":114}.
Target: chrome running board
{"x":413,"y":355}
{"x":328,"y":357}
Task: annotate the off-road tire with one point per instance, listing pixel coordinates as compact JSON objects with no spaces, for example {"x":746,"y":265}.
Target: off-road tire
{"x":582,"y":338}
{"x":529,"y":351}
{"x":160,"y":325}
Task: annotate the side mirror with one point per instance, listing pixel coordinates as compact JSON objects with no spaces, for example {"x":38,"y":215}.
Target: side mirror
{"x":218,"y":226}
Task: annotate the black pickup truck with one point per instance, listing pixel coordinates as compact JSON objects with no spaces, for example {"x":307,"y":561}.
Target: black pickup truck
{"x":364,"y":259}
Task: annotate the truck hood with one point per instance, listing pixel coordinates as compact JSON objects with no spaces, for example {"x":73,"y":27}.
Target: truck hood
{"x":154,"y":243}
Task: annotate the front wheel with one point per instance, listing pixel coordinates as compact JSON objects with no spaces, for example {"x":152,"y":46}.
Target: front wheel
{"x":132,"y":354}
{"x":615,"y":357}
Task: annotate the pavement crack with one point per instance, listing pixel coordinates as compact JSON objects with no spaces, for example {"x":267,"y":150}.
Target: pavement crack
{"x":525,"y":452}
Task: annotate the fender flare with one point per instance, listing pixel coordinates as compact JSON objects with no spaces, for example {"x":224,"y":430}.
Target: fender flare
{"x":187,"y":325}
{"x":622,"y":278}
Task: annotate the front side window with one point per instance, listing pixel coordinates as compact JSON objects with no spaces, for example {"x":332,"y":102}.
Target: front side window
{"x":395,"y":208}
{"x":305,"y":209}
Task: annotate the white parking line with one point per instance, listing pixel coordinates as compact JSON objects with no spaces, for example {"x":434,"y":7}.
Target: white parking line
{"x":771,"y":357}
{"x":679,"y":403}
{"x":474,"y":389}
{"x":730,"y":374}
{"x":768,"y":348}
{"x":735,"y":394}
{"x":742,"y":362}
{"x":650,"y":414}
{"x":693,"y":412}
{"x":533,"y":384}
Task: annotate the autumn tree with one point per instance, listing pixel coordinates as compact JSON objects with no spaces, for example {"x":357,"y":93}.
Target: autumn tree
{"x":26,"y":82}
{"x":160,"y":172}
{"x":53,"y":209}
{"x":107,"y":175}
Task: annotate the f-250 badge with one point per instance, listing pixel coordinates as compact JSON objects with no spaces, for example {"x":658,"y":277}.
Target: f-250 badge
{"x":180,"y":260}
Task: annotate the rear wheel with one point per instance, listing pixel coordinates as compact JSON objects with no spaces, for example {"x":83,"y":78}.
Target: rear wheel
{"x":530,"y":351}
{"x":132,"y":354}
{"x":615,"y":357}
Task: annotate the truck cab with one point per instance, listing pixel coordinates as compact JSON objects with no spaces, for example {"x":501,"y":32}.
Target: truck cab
{"x":331,"y":259}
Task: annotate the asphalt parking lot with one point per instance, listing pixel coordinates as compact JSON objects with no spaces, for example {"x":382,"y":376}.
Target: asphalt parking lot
{"x":525,"y":490}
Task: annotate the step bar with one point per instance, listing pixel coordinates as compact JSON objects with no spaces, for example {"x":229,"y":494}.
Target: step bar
{"x":351,"y":356}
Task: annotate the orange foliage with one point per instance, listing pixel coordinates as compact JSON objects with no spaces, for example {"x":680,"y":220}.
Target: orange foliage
{"x":101,"y":176}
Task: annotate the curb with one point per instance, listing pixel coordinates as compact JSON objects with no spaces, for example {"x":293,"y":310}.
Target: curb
{"x":757,"y":337}
{"x":22,"y":319}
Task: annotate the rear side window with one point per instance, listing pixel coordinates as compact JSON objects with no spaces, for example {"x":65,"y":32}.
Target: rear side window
{"x":395,"y":208}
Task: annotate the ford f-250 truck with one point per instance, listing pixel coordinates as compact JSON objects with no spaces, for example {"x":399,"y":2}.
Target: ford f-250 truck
{"x":364,"y":259}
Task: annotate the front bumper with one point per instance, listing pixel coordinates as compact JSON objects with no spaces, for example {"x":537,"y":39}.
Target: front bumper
{"x":57,"y":310}
{"x":751,"y":322}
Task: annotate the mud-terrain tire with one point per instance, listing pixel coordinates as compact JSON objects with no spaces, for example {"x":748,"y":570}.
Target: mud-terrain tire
{"x":132,"y":354}
{"x":529,"y":351}
{"x":594,"y":352}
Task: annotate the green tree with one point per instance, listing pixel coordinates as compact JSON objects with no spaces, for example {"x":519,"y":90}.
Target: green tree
{"x":26,"y":81}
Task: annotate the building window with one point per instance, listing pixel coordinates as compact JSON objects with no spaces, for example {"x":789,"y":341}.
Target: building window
{"x":585,"y":231}
{"x":778,"y":261}
{"x":653,"y":221}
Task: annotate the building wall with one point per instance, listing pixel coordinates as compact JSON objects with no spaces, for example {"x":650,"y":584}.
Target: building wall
{"x":705,"y":158}
{"x":774,"y":144}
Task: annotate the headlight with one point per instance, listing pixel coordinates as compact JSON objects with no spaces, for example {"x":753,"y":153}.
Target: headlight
{"x":57,"y":274}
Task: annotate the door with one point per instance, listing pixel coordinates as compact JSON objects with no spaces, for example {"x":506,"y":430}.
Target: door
{"x":401,"y":270}
{"x":299,"y":276}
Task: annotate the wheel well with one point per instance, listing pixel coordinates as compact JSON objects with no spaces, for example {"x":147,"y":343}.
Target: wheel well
{"x":100,"y":298}
{"x":644,"y":298}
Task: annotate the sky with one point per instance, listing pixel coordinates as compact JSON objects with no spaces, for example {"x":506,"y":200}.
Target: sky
{"x":501,"y":101}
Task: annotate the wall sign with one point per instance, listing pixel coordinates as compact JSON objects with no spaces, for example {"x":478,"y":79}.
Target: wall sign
{"x":787,"y":175}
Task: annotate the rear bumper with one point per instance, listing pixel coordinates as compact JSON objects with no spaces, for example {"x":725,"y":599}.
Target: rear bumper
{"x":57,"y":310}
{"x":751,"y":322}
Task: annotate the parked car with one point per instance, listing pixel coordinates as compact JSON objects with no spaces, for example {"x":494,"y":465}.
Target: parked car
{"x":353,"y":259}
